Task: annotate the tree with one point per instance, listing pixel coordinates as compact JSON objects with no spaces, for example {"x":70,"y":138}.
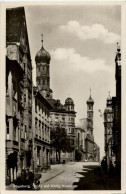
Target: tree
{"x":60,"y":141}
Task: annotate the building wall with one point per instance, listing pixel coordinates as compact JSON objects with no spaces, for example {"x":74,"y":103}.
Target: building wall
{"x":65,"y":120}
{"x":18,"y":83}
{"x":80,"y":142}
{"x":41,"y":126}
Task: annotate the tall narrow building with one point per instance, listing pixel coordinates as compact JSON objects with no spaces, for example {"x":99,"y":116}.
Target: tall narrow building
{"x":108,"y":124}
{"x":89,"y":141}
{"x":42,"y":60}
{"x":116,"y":102}
{"x":90,"y":103}
{"x":18,"y":94}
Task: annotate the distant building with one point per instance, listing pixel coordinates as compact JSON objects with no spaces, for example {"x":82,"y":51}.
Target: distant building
{"x":116,"y":104}
{"x":108,"y":124}
{"x":84,"y":133}
{"x":112,"y":120}
{"x":80,"y":142}
{"x":89,"y":141}
{"x":96,"y":153}
{"x":18,"y":94}
{"x":42,"y":60}
{"x":41,"y":129}
{"x":64,"y":116}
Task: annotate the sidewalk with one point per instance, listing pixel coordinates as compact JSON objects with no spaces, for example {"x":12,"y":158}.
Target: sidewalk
{"x":49,"y":174}
{"x":53,"y":172}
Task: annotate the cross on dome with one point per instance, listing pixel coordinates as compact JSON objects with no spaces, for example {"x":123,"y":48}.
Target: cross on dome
{"x":42,"y":39}
{"x":118,"y":47}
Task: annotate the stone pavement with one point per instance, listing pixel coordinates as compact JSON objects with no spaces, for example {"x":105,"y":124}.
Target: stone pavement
{"x":55,"y":170}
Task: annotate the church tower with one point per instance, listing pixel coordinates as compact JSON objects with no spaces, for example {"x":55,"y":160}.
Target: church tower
{"x":108,"y":124}
{"x":90,"y":103}
{"x":42,"y":60}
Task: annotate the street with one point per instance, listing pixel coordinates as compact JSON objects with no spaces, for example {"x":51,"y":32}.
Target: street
{"x":66,"y":176}
{"x":76,"y":176}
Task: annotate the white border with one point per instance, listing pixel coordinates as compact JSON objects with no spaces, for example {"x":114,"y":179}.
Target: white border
{"x":3,"y":6}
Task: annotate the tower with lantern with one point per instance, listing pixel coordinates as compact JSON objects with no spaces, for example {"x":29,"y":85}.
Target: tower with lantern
{"x":90,"y":103}
{"x":108,"y":125}
{"x":42,"y":60}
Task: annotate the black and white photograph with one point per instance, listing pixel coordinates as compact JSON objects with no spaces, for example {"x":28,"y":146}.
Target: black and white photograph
{"x":63,"y":96}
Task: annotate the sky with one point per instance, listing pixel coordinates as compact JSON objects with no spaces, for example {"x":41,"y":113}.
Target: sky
{"x":82,"y":41}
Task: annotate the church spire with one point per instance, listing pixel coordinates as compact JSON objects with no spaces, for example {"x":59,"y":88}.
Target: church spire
{"x":118,"y":47}
{"x":90,"y":92}
{"x":42,"y":39}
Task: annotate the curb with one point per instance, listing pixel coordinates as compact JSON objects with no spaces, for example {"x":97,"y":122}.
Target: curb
{"x":52,"y":177}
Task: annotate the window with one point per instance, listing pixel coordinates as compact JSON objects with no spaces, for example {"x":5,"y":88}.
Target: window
{"x":35,"y":105}
{"x":56,"y":119}
{"x":72,"y":119}
{"x":39,"y":82}
{"x":72,"y":130}
{"x":63,"y":119}
{"x":38,"y":155}
{"x":25,"y":132}
{"x":14,"y":90}
{"x":40,"y":128}
{"x":89,"y":107}
{"x":22,"y":131}
{"x":14,"y":130}
{"x":7,"y":125}
{"x":36,"y":121}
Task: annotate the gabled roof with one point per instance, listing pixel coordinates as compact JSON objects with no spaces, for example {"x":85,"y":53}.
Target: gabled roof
{"x":57,"y":106}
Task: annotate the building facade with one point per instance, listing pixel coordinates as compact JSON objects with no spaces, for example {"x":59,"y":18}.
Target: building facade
{"x":89,"y":141}
{"x":64,"y":117}
{"x":80,"y":142}
{"x":42,"y":60}
{"x":112,"y":120}
{"x":116,"y":104}
{"x":41,"y":132}
{"x":108,"y":125}
{"x":18,"y":93}
{"x":96,"y":153}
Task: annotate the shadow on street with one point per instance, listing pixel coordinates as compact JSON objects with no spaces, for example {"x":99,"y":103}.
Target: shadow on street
{"x":97,"y":181}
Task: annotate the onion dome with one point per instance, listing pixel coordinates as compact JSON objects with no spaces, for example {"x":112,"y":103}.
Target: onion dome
{"x":118,"y":54}
{"x":109,"y":98}
{"x":90,"y":100}
{"x":69,"y":101}
{"x":42,"y":56}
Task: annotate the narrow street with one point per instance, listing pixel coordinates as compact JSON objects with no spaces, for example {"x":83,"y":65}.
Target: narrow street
{"x":65,"y":176}
{"x":78,"y":176}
